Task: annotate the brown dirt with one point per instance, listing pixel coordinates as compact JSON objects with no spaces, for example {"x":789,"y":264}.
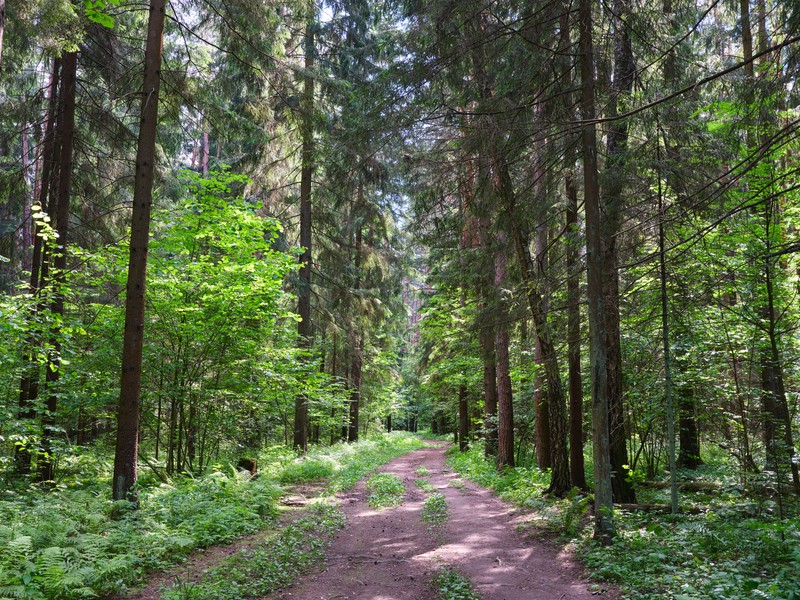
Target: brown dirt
{"x":389,"y":554}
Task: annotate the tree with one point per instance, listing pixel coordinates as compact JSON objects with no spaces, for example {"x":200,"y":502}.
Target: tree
{"x":127,"y":444}
{"x":304,"y":329}
{"x":604,"y":523}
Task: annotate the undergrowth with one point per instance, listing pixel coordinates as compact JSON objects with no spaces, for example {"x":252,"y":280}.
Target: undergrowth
{"x":452,"y":585}
{"x":272,"y":565}
{"x":736,"y":548}
{"x":74,"y":542}
{"x":385,"y":489}
{"x":434,"y":510}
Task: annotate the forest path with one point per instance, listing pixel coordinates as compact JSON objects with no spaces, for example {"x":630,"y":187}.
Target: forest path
{"x":390,"y":554}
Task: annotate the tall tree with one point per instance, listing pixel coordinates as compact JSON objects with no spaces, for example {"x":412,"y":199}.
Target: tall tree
{"x":304,"y":329}
{"x":603,"y":507}
{"x":612,"y":199}
{"x":58,"y":255}
{"x":127,"y":444}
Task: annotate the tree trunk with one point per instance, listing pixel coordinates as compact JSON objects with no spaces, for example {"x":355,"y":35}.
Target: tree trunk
{"x":2,"y":30}
{"x":505,"y":404}
{"x":487,"y":340}
{"x":556,"y":400}
{"x":689,"y":440}
{"x":622,"y":84}
{"x":604,"y":510}
{"x":304,"y":292}
{"x":576,"y":461}
{"x":66,"y":134}
{"x":544,"y":459}
{"x":29,"y":383}
{"x":355,"y":392}
{"x":127,"y":446}
{"x":463,"y":418}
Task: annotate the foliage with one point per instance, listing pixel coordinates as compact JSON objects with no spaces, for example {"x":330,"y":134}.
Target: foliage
{"x":434,"y":510}
{"x":270,"y":565}
{"x":425,"y":485}
{"x":73,"y":542}
{"x":452,"y":585}
{"x":386,"y":489}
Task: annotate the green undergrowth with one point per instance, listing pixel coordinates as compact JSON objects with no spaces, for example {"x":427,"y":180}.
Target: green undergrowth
{"x":385,"y":490}
{"x":737,"y":547}
{"x":74,"y":542}
{"x":434,"y":511}
{"x":452,"y":585}
{"x":343,"y":465}
{"x":425,"y":485}
{"x":271,"y":565}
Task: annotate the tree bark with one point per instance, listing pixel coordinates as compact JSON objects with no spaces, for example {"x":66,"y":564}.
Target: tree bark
{"x":505,"y":404}
{"x":127,"y":445}
{"x":556,"y":400}
{"x":463,"y":418}
{"x":304,"y":331}
{"x":2,"y":30}
{"x":29,"y":383}
{"x":544,"y":459}
{"x":622,"y":84}
{"x":576,"y":461}
{"x":604,"y":510}
{"x":66,"y":134}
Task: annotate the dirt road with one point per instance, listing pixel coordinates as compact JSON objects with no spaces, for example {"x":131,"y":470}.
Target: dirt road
{"x":390,"y":554}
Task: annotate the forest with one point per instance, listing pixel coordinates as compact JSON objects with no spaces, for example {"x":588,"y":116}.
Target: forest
{"x":251,"y":247}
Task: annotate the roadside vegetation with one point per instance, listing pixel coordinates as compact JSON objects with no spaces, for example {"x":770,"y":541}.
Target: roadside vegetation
{"x":731,"y":542}
{"x":73,"y":542}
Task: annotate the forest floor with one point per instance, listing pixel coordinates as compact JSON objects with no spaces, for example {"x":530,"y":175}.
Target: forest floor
{"x":392,"y":554}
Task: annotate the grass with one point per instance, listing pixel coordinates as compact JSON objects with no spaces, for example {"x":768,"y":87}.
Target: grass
{"x":737,"y":548}
{"x":452,"y":585}
{"x":425,"y":485}
{"x":434,"y":510}
{"x":385,"y":490}
{"x":422,"y":471}
{"x":258,"y":570}
{"x":74,"y":542}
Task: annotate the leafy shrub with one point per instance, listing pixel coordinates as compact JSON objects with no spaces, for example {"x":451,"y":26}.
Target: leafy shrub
{"x":307,"y":469}
{"x":385,"y":490}
{"x":271,"y":565}
{"x":434,"y":510}
{"x":452,"y":585}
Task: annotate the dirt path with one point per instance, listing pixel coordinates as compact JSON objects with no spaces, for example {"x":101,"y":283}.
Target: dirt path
{"x":389,"y":554}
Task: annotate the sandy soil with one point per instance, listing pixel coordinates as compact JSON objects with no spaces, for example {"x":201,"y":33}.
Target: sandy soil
{"x":389,"y":554}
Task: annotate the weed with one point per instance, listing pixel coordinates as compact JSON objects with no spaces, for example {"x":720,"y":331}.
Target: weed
{"x":385,"y":490}
{"x":458,"y":484}
{"x":422,"y":471}
{"x":272,"y":565}
{"x":425,"y":485}
{"x":434,"y":510}
{"x":452,"y":585}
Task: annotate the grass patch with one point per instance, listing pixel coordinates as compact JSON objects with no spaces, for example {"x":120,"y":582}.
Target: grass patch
{"x":434,"y":510}
{"x":452,"y":585}
{"x":425,"y":485}
{"x":422,"y":471}
{"x":458,"y":484}
{"x":385,"y":490}
{"x":270,"y":566}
